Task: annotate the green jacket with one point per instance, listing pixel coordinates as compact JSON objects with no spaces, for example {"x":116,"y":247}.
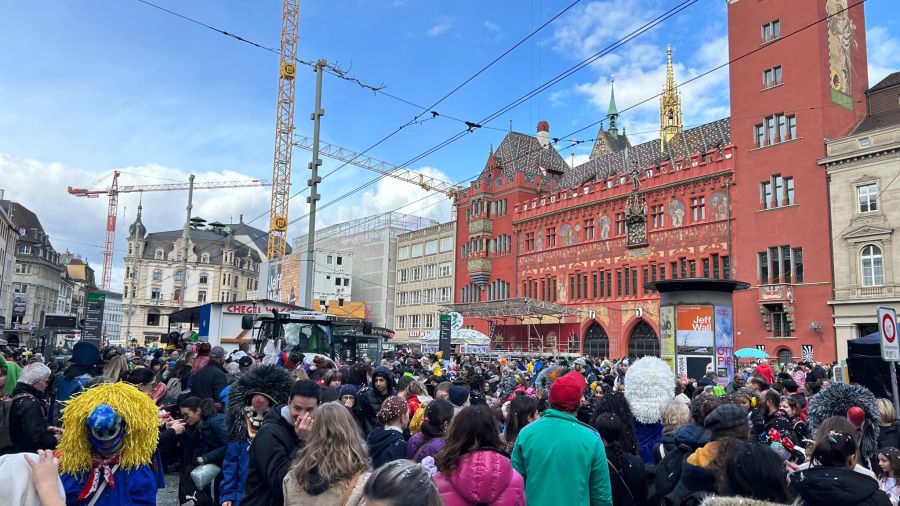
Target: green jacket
{"x":563,"y":462}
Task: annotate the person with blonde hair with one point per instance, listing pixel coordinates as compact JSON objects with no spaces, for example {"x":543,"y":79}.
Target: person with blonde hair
{"x":333,"y":467}
{"x":889,"y":435}
{"x":116,"y":368}
{"x":673,"y":415}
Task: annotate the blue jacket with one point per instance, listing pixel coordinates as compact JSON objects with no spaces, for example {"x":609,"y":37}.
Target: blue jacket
{"x":135,"y":487}
{"x":648,"y":435}
{"x":213,"y":440}
{"x":234,"y":472}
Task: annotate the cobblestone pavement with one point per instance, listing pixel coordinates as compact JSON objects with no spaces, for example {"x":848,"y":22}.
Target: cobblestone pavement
{"x":168,"y":496}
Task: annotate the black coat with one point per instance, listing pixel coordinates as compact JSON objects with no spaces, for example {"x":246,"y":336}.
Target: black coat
{"x":695,"y":484}
{"x":368,"y":401}
{"x":631,"y":474}
{"x":889,"y":436}
{"x":213,"y":440}
{"x":271,"y":453}
{"x":836,"y":486}
{"x":209,"y":381}
{"x":28,"y":421}
{"x":386,"y":445}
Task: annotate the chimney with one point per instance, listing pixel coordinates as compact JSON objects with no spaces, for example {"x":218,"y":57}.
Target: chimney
{"x":543,"y":133}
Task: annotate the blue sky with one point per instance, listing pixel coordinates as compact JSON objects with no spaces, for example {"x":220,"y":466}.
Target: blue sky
{"x":89,"y":87}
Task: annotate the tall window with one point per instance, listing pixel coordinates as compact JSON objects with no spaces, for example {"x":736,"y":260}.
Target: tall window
{"x":765,"y":194}
{"x":529,"y":241}
{"x":778,"y":191}
{"x":588,"y":230}
{"x":778,"y":264}
{"x":551,"y":237}
{"x":620,"y":223}
{"x":774,"y":129}
{"x":772,"y":77}
{"x":158,"y":254}
{"x":204,"y":278}
{"x":872,"y":266}
{"x":179,"y":276}
{"x":770,"y":31}
{"x":446,"y":269}
{"x":157,"y":275}
{"x":658,"y":216}
{"x":781,"y":327}
{"x":867,"y":196}
{"x":201,"y":296}
{"x":698,"y":208}
{"x":204,"y":258}
{"x":153,"y":318}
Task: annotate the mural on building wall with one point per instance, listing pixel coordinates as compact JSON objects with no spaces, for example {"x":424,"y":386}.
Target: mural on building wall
{"x":561,"y":291}
{"x":567,"y":235}
{"x":718,"y":206}
{"x":604,"y":223}
{"x":539,"y":240}
{"x":676,"y":212}
{"x":841,"y":30}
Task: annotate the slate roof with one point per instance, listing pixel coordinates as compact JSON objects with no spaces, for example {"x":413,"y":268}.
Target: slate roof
{"x":523,"y":153}
{"x":716,"y":134}
{"x":605,"y":140}
{"x":886,"y":112}
{"x":876,"y":121}
{"x":210,"y":242}
{"x":887,"y":82}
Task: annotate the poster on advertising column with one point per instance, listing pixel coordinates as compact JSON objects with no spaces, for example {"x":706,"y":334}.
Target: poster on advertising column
{"x":694,"y":330}
{"x":667,"y":334}
{"x":724,"y":325}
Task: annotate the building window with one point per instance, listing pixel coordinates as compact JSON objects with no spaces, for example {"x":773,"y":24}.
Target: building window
{"x":153,"y":318}
{"x":781,"y":327}
{"x":770,"y":31}
{"x":867,"y":196}
{"x":588,"y":230}
{"x":414,"y":321}
{"x":620,"y":223}
{"x":778,"y":264}
{"x":772,"y":77}
{"x":416,"y":273}
{"x":705,"y":267}
{"x":402,"y":276}
{"x":446,"y":269}
{"x":403,"y":253}
{"x":157,"y":275}
{"x":658,"y":216}
{"x":158,"y":254}
{"x":179,"y":276}
{"x":529,"y":241}
{"x":698,"y":208}
{"x":329,"y":259}
{"x":778,"y":191}
{"x":865,"y":142}
{"x":204,"y":278}
{"x":443,"y":294}
{"x":872,"y":266}
{"x":431,"y":247}
{"x":401,"y":322}
{"x":774,"y":129}
{"x":416,"y":250}
{"x":446,"y":244}
{"x":204,"y":258}
{"x":429,"y":321}
{"x":177,"y":296}
{"x":551,"y":237}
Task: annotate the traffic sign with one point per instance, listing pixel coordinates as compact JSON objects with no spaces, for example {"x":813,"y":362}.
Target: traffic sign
{"x":887,"y":327}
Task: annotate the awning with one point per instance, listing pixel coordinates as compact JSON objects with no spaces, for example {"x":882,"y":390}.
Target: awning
{"x":461,"y":336}
{"x":520,"y":307}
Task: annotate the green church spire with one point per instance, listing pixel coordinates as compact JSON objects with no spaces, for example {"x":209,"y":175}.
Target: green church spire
{"x":612,"y":113}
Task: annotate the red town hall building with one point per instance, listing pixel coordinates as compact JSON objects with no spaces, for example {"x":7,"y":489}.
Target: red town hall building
{"x":552,"y":258}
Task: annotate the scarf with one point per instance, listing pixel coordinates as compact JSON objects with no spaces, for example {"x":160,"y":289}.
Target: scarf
{"x":101,"y":469}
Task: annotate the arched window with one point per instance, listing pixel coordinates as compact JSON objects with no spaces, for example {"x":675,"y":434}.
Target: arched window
{"x":179,"y":256}
{"x":643,"y":341}
{"x":784,"y":356}
{"x":157,"y":275}
{"x":158,"y":254}
{"x":871,"y":266}
{"x":596,"y":342}
{"x":204,"y":258}
{"x":204,"y":278}
{"x":671,"y":118}
{"x":179,"y":276}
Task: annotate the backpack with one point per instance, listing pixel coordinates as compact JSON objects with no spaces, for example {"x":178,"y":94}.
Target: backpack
{"x":6,"y":405}
{"x":668,"y":471}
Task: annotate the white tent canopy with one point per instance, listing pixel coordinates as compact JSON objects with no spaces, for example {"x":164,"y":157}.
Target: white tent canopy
{"x":458,"y":336}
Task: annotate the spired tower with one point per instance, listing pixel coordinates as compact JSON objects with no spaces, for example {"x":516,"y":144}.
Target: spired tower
{"x":669,"y":106}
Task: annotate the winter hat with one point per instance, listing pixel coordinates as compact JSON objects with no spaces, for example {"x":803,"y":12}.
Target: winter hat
{"x":458,"y":395}
{"x":567,"y":390}
{"x":649,"y":385}
{"x":85,"y":353}
{"x":217,"y":352}
{"x":710,"y":368}
{"x":347,"y":390}
{"x":392,"y":407}
{"x":725,"y":417}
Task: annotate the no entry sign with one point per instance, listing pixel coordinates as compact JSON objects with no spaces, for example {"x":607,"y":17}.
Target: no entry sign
{"x":887,"y":326}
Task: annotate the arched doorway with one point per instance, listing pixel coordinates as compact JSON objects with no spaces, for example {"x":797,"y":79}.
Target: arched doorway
{"x":785,"y":356}
{"x":596,"y":342}
{"x":643,"y":341}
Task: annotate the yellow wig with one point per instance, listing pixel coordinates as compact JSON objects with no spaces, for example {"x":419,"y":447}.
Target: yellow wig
{"x":141,"y":418}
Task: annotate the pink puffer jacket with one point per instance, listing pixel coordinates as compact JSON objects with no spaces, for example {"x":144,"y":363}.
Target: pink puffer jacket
{"x":482,"y":477}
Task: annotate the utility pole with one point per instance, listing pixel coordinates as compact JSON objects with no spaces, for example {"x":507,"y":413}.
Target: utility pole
{"x":313,"y":183}
{"x":184,"y":241}
{"x":130,"y":289}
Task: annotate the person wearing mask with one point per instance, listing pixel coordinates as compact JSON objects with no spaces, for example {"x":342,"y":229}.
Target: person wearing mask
{"x":428,"y":441}
{"x":28,"y":427}
{"x":333,"y":467}
{"x":473,"y":469}
{"x":209,"y":381}
{"x":889,"y":433}
{"x":626,"y":471}
{"x":832,"y":479}
{"x":401,"y":483}
{"x":703,"y":470}
{"x":522,"y":410}
{"x":368,"y":400}
{"x":558,"y":432}
{"x":285,"y":429}
{"x":386,"y":443}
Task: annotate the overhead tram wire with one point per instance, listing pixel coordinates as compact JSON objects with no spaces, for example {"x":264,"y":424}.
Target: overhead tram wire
{"x":474,"y":126}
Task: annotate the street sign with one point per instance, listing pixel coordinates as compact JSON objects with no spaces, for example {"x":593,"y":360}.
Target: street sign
{"x":444,"y":334}
{"x":887,"y":326}
{"x":93,"y":318}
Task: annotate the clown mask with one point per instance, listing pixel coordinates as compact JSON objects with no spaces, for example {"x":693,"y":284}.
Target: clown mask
{"x":254,"y":413}
{"x":106,"y":430}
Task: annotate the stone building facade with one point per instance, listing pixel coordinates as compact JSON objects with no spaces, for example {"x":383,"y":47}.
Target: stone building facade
{"x":865,"y":213}
{"x":425,"y":267}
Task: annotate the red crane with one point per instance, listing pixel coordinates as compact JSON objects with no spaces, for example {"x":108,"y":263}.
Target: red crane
{"x":113,"y":192}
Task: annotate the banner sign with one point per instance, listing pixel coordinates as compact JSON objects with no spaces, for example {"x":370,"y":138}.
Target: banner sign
{"x":694,"y":328}
{"x":724,"y":344}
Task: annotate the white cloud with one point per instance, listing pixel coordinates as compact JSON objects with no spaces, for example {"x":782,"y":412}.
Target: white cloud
{"x":78,"y":224}
{"x":884,"y":53}
{"x":438,"y":29}
{"x":494,"y":30}
{"x":586,"y":30}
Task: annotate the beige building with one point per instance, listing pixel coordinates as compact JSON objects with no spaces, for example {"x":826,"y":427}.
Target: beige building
{"x":863,"y":169}
{"x":222,"y":266}
{"x":425,"y":265}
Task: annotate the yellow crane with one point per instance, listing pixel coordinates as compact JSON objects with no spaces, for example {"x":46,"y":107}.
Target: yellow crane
{"x":284,"y":130}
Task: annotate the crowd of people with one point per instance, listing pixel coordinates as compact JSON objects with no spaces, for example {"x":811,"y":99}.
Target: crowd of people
{"x":239,"y":429}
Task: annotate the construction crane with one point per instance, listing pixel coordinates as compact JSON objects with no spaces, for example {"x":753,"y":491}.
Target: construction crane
{"x":284,"y":130}
{"x":112,"y":209}
{"x":374,"y":165}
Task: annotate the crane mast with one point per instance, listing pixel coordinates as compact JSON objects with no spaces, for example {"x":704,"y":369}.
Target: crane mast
{"x":284,"y":130}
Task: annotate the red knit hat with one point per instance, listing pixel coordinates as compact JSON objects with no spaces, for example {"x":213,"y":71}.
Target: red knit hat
{"x":566,"y":391}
